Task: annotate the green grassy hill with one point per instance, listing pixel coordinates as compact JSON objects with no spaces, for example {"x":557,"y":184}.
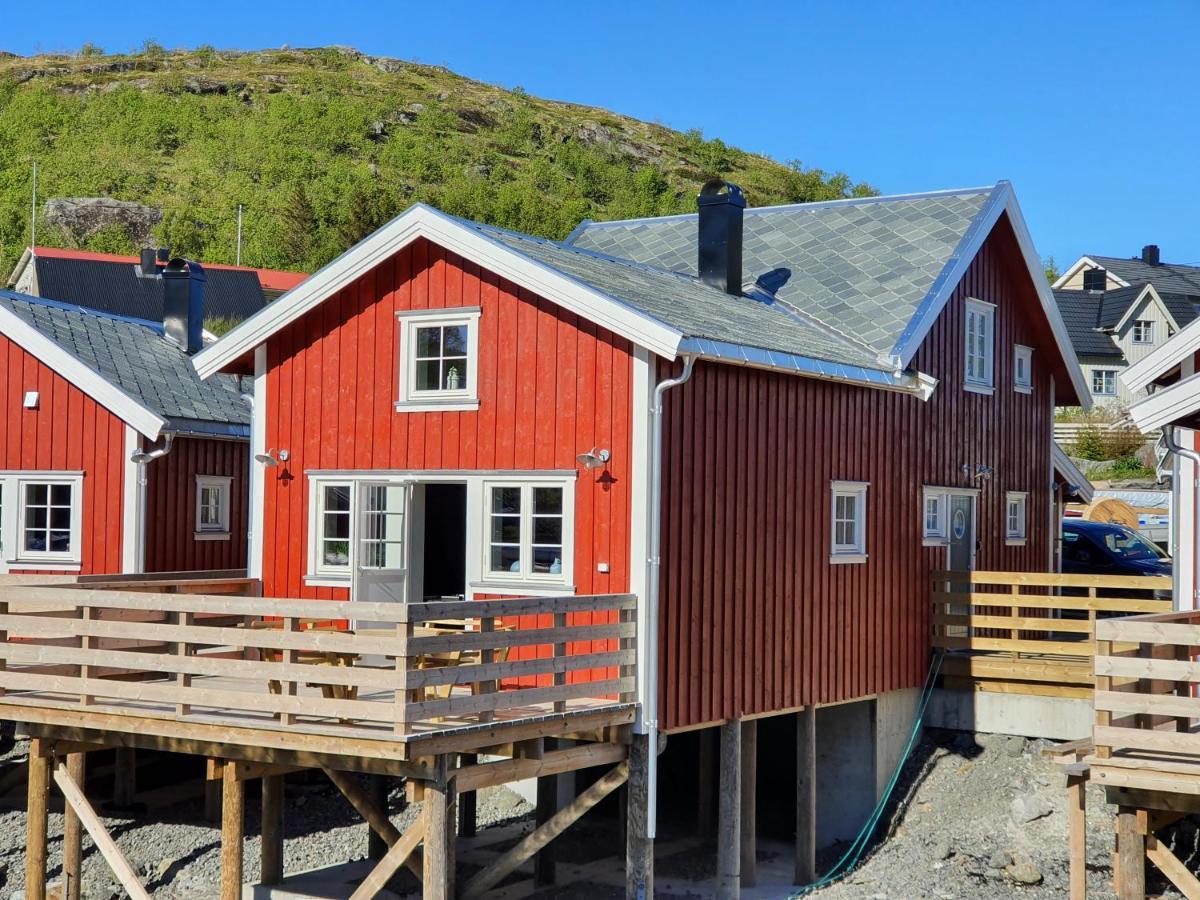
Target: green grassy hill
{"x":322,"y":146}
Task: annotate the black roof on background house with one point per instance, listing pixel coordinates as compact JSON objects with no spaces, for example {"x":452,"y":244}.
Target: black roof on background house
{"x":1090,"y":316}
{"x":1167,"y":278}
{"x":114,"y":287}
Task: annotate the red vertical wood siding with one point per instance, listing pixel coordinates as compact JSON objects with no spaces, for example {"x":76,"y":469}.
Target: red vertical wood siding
{"x":754,"y":618}
{"x":171,"y":545}
{"x":550,"y":387}
{"x":67,"y":432}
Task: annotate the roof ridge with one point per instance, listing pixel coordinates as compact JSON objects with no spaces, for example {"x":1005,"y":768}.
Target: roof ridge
{"x":82,"y":310}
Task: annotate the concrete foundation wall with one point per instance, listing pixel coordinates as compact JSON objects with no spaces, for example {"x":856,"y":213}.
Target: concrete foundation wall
{"x":1060,"y":718}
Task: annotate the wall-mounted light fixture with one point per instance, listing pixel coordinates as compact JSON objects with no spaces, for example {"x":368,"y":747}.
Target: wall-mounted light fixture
{"x":594,"y":458}
{"x":32,"y":399}
{"x":272,"y":458}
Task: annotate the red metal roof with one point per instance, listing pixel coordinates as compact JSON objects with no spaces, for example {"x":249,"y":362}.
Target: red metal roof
{"x":270,"y":279}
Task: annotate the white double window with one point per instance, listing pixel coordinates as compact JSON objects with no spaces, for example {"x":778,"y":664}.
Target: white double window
{"x":1015,"y":504}
{"x":527,"y":534}
{"x":1104,"y":382}
{"x":979,"y":346}
{"x":41,"y":519}
{"x":439,"y":359}
{"x":848,"y":526}
{"x":1143,"y":331}
{"x":212,"y":507}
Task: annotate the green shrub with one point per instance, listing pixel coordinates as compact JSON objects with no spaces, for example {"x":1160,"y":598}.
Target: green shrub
{"x":1120,"y":443}
{"x":1089,"y":444}
{"x":1128,"y":467}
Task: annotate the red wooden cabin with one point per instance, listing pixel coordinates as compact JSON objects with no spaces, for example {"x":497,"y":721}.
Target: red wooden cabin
{"x":867,"y":394}
{"x":114,"y":456}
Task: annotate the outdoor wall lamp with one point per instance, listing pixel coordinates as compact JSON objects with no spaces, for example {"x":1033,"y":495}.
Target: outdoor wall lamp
{"x":271,"y":458}
{"x":594,"y":458}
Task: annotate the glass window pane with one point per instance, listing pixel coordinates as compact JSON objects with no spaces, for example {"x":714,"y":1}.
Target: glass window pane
{"x":337,"y":497}
{"x":35,"y":493}
{"x":35,"y":539}
{"x":547,"y":500}
{"x":35,"y":517}
{"x":60,"y":494}
{"x":547,"y":530}
{"x":337,"y":525}
{"x":337,"y":553}
{"x":506,"y":559}
{"x":429,"y":342}
{"x":428,"y":372}
{"x":506,"y":529}
{"x":454,"y":340}
{"x":506,"y":500}
{"x":60,"y":517}
{"x":60,"y":541}
{"x":456,"y":375}
{"x":547,"y":560}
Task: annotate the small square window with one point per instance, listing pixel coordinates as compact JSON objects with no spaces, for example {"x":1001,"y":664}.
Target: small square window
{"x":848,"y":527}
{"x":212,"y":506}
{"x":47,"y":522}
{"x":1104,"y":382}
{"x":1015,"y":517}
{"x":1143,"y":331}
{"x":438,"y":359}
{"x":1023,"y":369}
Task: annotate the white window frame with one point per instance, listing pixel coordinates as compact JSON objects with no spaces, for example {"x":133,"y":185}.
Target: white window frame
{"x":856,"y":550}
{"x":224,"y":485}
{"x":1112,"y":375}
{"x":410,"y":399}
{"x":318,"y":571}
{"x":526,"y":575}
{"x":12,"y":521}
{"x":974,"y":382}
{"x":1015,"y":534}
{"x":1146,"y":328}
{"x":937,"y":535}
{"x":1022,"y":358}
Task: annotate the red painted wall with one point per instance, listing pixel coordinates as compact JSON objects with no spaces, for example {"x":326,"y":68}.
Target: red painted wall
{"x":550,"y":386}
{"x":67,"y":432}
{"x":753,"y":616}
{"x":171,"y":545}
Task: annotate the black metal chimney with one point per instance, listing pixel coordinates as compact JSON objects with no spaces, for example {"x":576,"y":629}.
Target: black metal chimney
{"x":719,"y":248}
{"x":183,"y":304}
{"x":1095,"y":279}
{"x":1150,"y":254}
{"x":146,"y":267}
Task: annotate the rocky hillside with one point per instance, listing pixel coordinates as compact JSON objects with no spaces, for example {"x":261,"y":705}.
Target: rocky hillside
{"x":323,"y":145}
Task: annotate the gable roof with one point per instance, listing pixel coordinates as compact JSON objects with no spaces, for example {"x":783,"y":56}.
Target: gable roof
{"x":1076,"y":482}
{"x":1094,"y":318}
{"x":1168,"y":278}
{"x":876,"y":274}
{"x":1081,"y":313}
{"x":126,"y":365}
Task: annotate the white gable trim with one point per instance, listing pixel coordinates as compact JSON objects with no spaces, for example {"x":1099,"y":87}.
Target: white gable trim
{"x":1167,"y":405}
{"x":1065,"y":466}
{"x":424,"y":221}
{"x":1157,"y":300}
{"x":1003,"y":200}
{"x":1089,"y":263}
{"x":80,"y":375}
{"x":1164,"y":358}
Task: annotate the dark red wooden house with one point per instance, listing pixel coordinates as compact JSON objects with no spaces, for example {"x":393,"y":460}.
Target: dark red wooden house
{"x":853,"y":394}
{"x":114,"y":456}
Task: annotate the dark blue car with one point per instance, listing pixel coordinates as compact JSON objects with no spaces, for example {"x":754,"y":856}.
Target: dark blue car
{"x":1101,"y":548}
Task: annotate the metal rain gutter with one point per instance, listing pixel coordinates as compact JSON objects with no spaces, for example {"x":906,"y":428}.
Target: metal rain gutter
{"x":1168,"y":433}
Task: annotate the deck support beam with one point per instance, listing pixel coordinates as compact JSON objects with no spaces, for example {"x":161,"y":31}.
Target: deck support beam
{"x":395,"y":857}
{"x":547,"y":806}
{"x":729,"y":813}
{"x":73,"y":832}
{"x":806,"y":796}
{"x":1130,"y":872}
{"x":233,"y":823}
{"x":1077,"y":830}
{"x":377,"y":790}
{"x":639,"y":847}
{"x":749,"y":811}
{"x":375,"y":817}
{"x":440,"y":827}
{"x":272,"y":829}
{"x":467,"y":802}
{"x":37,"y":816}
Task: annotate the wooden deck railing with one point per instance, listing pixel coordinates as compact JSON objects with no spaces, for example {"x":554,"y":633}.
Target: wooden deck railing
{"x":1146,"y":699}
{"x":1030,"y":632}
{"x":270,"y":663}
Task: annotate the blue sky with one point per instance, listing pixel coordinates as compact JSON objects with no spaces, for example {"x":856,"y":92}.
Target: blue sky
{"x":1090,"y":109}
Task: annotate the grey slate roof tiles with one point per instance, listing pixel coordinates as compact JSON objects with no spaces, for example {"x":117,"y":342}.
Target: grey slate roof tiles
{"x":1167,"y":278}
{"x":134,"y":356}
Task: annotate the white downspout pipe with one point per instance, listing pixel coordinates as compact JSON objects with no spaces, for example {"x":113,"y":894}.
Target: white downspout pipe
{"x":649,"y":699}
{"x":1176,"y":526}
{"x":143,"y":458}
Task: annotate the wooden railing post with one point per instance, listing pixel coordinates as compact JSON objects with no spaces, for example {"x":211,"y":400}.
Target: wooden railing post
{"x":1103,"y":683}
{"x":1015,"y":633}
{"x":629,"y":643}
{"x":291,"y":659}
{"x":560,"y":650}
{"x":403,"y":661}
{"x":487,"y":625}
{"x":183,"y":650}
{"x":3,"y":640}
{"x":87,"y":642}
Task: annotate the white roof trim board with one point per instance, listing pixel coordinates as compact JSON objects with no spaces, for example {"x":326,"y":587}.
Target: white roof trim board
{"x":1065,"y":466}
{"x":1163,"y":358}
{"x":1088,"y":262}
{"x":1168,"y":405}
{"x":1157,"y":300}
{"x":81,"y":375}
{"x":1003,"y":199}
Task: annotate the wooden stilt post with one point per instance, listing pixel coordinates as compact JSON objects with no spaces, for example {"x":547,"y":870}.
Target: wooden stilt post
{"x":1131,"y":856}
{"x":1077,"y":823}
{"x":639,"y":848}
{"x":439,"y":814}
{"x":233,"y":798}
{"x":272,"y":829}
{"x":806,"y":796}
{"x":729,"y":813}
{"x":212,"y":791}
{"x":125,"y":778}
{"x":547,"y":806}
{"x":377,"y":790}
{"x":749,"y":844}
{"x":467,"y":803}
{"x":73,"y":833}
{"x":36,"y":820}
{"x":706,"y":790}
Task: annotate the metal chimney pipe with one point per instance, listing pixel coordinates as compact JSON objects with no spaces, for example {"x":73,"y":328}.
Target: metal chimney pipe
{"x":719,"y":235}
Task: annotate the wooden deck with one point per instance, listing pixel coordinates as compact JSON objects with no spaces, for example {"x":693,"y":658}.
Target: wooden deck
{"x":1030,"y":632}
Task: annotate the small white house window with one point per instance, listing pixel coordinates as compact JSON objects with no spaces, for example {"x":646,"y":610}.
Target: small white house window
{"x":848,"y":542}
{"x":47,"y":518}
{"x":439,"y":359}
{"x":1104,"y":382}
{"x":980,"y":340}
{"x":1023,"y":369}
{"x":212,"y":507}
{"x":933,"y":517}
{"x":1143,"y":331}
{"x":528,"y":532}
{"x":1014,"y":518}
{"x":331,"y":532}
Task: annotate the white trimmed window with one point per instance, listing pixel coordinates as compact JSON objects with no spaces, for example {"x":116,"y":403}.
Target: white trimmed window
{"x":1022,"y":369}
{"x":980,"y":341}
{"x":1014,"y":517}
{"x":1143,"y":331}
{"x":439,"y":359}
{"x":934,"y":531}
{"x":212,"y":507}
{"x":331,"y":511}
{"x":528,"y":532}
{"x":1104,"y":382}
{"x":848,"y":533}
{"x":41,"y":519}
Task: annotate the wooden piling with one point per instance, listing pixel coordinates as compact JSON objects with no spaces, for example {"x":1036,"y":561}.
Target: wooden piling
{"x":233,"y":798}
{"x":272,"y":829}
{"x":37,"y":820}
{"x":546,"y":807}
{"x":729,"y":813}
{"x":377,"y":790}
{"x":440,"y":829}
{"x":639,"y":848}
{"x":1131,"y":856}
{"x":73,"y":833}
{"x":468,"y":802}
{"x":806,"y":796}
{"x":749,"y":788}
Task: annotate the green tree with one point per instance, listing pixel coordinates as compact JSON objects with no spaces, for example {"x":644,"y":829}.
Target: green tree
{"x":298,"y":221}
{"x":1051,"y":269}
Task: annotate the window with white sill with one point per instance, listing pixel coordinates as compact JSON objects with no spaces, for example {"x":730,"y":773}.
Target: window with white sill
{"x":41,"y":519}
{"x":528,"y":532}
{"x":212,"y":506}
{"x":1104,"y":382}
{"x":934,"y":530}
{"x":979,"y":343}
{"x":1015,"y":517}
{"x":848,"y":525}
{"x":1022,"y":369}
{"x":439,"y":359}
{"x":1143,"y":331}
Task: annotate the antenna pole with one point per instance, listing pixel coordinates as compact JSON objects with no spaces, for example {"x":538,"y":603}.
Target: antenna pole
{"x":239,"y":236}
{"x":33,"y":212}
